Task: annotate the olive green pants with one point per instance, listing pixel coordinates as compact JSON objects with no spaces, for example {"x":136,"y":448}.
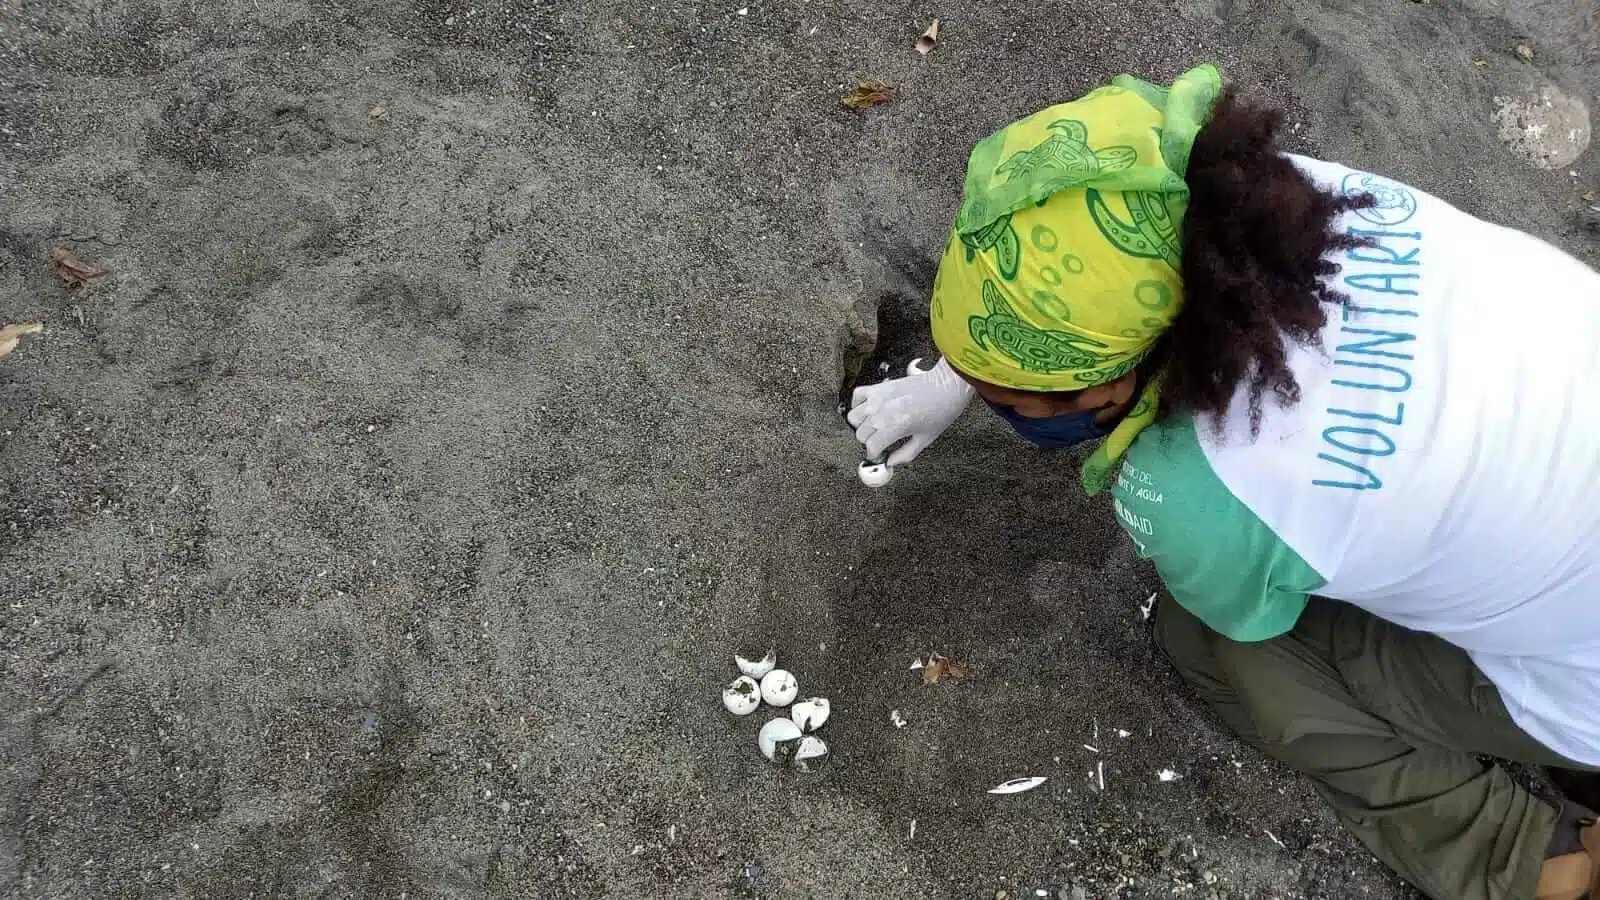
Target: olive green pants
{"x":1391,"y":725}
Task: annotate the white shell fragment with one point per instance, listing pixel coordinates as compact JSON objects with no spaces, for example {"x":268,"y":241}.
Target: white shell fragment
{"x":874,"y":475}
{"x":757,"y":669}
{"x":742,"y":696}
{"x":778,"y":739}
{"x":896,"y":719}
{"x":1018,"y":785}
{"x":811,"y":754}
{"x":779,"y":688}
{"x":810,"y":714}
{"x":1168,"y":775}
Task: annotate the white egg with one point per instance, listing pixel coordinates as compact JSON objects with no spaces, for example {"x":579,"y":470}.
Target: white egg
{"x":810,"y":714}
{"x":759,"y":668}
{"x":811,"y":754}
{"x":778,"y":739}
{"x":779,"y":688}
{"x":743,"y":696}
{"x":874,"y":475}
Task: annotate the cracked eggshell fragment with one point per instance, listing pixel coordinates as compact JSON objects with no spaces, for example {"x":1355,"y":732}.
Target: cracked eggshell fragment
{"x":779,"y":688}
{"x":758,"y":668}
{"x":743,"y":696}
{"x":810,"y":714}
{"x":1018,"y":785}
{"x":874,"y":475}
{"x":778,"y":739}
{"x":811,"y":754}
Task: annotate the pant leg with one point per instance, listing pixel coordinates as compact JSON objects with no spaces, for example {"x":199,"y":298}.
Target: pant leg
{"x":1457,"y":828}
{"x":1445,"y":701}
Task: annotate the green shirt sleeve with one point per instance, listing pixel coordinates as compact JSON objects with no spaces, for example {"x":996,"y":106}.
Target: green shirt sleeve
{"x":1215,"y":555}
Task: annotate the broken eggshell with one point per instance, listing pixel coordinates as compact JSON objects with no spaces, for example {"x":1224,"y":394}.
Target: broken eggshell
{"x":811,"y":754}
{"x":758,"y":668}
{"x":810,"y":714}
{"x":874,"y":475}
{"x":743,"y":696}
{"x":779,"y":739}
{"x":1018,"y":785}
{"x":779,"y":688}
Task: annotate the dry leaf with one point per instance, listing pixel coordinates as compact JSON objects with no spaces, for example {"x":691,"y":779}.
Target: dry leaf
{"x":940,"y":666}
{"x":929,"y":39}
{"x":10,"y":334}
{"x":868,"y":92}
{"x":1481,"y":63}
{"x":1524,"y":53}
{"x":72,"y":270}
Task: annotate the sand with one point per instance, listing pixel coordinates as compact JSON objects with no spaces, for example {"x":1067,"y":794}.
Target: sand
{"x":462,"y":396}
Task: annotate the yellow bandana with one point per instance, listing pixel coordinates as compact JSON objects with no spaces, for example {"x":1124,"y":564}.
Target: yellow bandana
{"x":1064,"y":265}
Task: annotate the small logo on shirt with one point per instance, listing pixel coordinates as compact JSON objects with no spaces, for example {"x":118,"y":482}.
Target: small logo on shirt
{"x":1395,"y":206}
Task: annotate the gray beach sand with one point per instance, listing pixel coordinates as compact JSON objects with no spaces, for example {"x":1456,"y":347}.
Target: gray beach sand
{"x":461,"y":396}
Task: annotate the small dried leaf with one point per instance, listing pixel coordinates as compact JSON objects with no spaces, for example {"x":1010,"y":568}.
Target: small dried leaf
{"x":1524,"y":53}
{"x":73,"y":271}
{"x":1481,"y":63}
{"x":11,"y":334}
{"x":867,"y":92}
{"x":929,"y":39}
{"x":941,"y":666}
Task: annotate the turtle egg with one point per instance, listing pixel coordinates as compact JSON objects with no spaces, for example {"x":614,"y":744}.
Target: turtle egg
{"x":810,"y":714}
{"x":779,"y":688}
{"x":743,"y":696}
{"x":757,"y":668}
{"x":874,"y":475}
{"x":811,"y":754}
{"x":779,"y":736}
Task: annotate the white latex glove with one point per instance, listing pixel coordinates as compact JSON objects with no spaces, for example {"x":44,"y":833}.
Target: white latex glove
{"x":919,"y":406}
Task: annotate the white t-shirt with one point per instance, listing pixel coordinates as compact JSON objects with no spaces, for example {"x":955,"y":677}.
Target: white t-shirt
{"x":1441,"y":470}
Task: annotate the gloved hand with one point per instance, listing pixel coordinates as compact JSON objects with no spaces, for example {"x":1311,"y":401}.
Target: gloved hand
{"x":919,"y":406}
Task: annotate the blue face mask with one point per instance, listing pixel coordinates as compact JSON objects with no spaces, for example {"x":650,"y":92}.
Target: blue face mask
{"x":1054,"y":432}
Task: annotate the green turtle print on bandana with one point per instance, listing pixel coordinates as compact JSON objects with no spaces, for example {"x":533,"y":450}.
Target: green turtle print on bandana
{"x":1034,"y":349}
{"x":1151,"y":233}
{"x":1065,"y":158}
{"x":1102,"y":177}
{"x":1000,"y":237}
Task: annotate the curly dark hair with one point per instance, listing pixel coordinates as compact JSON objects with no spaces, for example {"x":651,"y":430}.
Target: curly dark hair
{"x":1256,"y":248}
